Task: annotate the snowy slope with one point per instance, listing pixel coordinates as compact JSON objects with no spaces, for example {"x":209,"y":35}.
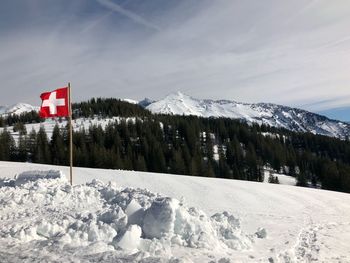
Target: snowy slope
{"x":130,"y":101}
{"x":17,"y":109}
{"x":78,"y":124}
{"x":262,"y":113}
{"x":62,"y":223}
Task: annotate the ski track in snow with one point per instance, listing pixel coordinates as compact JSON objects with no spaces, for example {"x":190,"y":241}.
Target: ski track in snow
{"x":310,"y":247}
{"x":48,"y":220}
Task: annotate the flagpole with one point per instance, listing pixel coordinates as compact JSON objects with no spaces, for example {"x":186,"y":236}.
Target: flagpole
{"x":70,"y":135}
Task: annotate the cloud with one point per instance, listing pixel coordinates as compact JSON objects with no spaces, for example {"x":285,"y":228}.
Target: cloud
{"x":134,"y":17}
{"x":239,"y":50}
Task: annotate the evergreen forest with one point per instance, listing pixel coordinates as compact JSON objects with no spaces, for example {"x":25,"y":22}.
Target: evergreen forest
{"x":188,"y":145}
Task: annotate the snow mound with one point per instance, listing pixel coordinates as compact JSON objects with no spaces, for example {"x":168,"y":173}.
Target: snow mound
{"x":40,"y":211}
{"x":33,"y":176}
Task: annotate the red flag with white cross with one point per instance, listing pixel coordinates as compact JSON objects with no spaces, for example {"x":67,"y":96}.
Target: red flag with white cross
{"x":55,"y":103}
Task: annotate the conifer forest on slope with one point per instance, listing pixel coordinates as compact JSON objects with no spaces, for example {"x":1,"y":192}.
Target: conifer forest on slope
{"x":210,"y":147}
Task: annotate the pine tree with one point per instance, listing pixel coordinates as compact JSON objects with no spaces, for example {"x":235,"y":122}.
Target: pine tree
{"x":301,"y":179}
{"x":22,"y":155}
{"x":177,"y":164}
{"x":31,"y":146}
{"x":57,"y":147}
{"x":209,"y":172}
{"x":224,"y":170}
{"x":42,"y":151}
{"x":140,"y":164}
{"x":195,"y":168}
{"x":7,"y":146}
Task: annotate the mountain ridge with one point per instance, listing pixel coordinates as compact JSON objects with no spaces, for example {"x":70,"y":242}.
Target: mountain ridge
{"x":262,"y":113}
{"x":275,"y":115}
{"x":17,"y":109}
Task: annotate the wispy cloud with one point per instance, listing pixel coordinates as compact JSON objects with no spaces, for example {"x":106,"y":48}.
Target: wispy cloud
{"x":321,"y":105}
{"x":134,"y":17}
{"x":240,"y":50}
{"x":96,"y":22}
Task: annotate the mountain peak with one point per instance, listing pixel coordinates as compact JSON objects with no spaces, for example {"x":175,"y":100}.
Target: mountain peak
{"x":17,"y":108}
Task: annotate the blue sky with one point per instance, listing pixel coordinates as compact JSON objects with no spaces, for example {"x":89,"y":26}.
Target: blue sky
{"x":293,"y":52}
{"x":337,"y":113}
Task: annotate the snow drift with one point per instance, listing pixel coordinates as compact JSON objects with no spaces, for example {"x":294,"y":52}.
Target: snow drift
{"x":40,"y":211}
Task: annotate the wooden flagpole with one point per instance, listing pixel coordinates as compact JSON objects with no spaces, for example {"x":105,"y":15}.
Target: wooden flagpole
{"x":70,"y":135}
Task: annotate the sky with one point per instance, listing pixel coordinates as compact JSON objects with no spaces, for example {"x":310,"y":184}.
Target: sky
{"x":293,"y":52}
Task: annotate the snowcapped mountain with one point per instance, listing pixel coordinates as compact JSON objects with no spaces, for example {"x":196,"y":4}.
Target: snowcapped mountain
{"x":17,"y":109}
{"x":263,"y":113}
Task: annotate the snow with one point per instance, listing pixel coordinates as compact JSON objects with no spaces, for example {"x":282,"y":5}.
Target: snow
{"x":181,"y":218}
{"x":286,"y":179}
{"x":181,"y":104}
{"x":282,"y":178}
{"x":130,"y":240}
{"x":261,"y":113}
{"x":130,"y":101}
{"x":78,"y":124}
{"x":41,"y":209}
{"x":18,"y":109}
{"x":216,"y":156}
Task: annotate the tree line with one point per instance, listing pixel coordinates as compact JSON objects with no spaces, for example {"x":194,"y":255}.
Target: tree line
{"x":211,"y":147}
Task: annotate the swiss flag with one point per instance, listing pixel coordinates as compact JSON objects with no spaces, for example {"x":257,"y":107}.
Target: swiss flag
{"x":55,"y":103}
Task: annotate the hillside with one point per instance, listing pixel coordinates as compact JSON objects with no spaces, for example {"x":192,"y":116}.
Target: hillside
{"x":210,"y":147}
{"x":302,"y":225}
{"x":273,"y":115}
{"x":261,"y":113}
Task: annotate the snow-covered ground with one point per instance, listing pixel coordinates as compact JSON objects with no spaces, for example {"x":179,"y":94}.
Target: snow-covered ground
{"x":78,"y":124}
{"x":282,"y":178}
{"x":177,"y":219}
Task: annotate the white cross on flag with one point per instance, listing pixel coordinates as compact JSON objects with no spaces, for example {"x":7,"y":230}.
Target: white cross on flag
{"x":55,"y":103}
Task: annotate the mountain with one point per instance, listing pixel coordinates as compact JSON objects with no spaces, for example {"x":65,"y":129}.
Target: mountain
{"x":212,"y":147}
{"x":262,"y":113}
{"x":17,"y":109}
{"x":146,"y":102}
